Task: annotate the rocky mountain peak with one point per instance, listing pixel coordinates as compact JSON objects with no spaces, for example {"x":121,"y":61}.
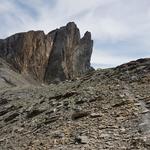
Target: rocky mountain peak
{"x":71,"y":25}
{"x":59,"y":55}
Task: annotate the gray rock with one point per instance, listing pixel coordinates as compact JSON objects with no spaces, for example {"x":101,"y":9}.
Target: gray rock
{"x":95,"y":115}
{"x":11,"y":117}
{"x":58,"y":134}
{"x":82,"y":140}
{"x":34,"y":112}
{"x":78,"y":115}
{"x":51,"y":119}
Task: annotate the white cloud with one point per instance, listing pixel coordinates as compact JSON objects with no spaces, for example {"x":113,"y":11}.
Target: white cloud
{"x":103,"y":59}
{"x":6,"y":6}
{"x":107,"y":20}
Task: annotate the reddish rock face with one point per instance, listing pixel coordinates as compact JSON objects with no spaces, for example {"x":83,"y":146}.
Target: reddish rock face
{"x":57,"y":56}
{"x":27,"y":52}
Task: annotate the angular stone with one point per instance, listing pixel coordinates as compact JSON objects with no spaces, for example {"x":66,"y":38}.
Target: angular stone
{"x":3,"y":101}
{"x":95,"y":115}
{"x":51,"y":119}
{"x":58,"y":134}
{"x":81,"y":114}
{"x":145,"y":110}
{"x":82,"y":140}
{"x":11,"y":117}
{"x":34,"y":113}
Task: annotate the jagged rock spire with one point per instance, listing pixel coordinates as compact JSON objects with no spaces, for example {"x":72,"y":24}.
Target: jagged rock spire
{"x":59,"y":55}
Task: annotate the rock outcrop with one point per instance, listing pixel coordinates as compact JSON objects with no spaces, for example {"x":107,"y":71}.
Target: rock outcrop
{"x":108,"y":109}
{"x":59,"y":55}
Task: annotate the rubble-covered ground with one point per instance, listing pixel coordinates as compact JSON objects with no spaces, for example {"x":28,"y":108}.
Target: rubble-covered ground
{"x":108,"y":109}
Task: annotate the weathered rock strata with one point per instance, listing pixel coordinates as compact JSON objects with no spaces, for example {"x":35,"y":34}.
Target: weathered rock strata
{"x":108,"y":109}
{"x":59,"y":55}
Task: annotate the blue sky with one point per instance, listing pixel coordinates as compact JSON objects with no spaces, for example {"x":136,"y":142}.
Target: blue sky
{"x":120,"y":28}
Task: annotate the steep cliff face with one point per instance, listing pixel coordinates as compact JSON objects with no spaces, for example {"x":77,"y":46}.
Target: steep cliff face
{"x":70,"y":56}
{"x":27,"y":52}
{"x":59,"y":55}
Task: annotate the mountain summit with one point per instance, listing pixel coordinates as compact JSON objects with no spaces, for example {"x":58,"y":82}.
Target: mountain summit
{"x":59,"y":55}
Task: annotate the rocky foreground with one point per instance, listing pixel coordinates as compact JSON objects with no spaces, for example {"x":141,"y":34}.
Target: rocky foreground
{"x":106,"y":109}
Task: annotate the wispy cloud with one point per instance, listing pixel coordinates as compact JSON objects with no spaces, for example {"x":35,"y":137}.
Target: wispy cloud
{"x":120,"y":28}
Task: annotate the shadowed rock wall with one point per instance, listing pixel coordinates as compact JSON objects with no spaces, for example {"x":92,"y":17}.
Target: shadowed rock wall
{"x":59,"y":55}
